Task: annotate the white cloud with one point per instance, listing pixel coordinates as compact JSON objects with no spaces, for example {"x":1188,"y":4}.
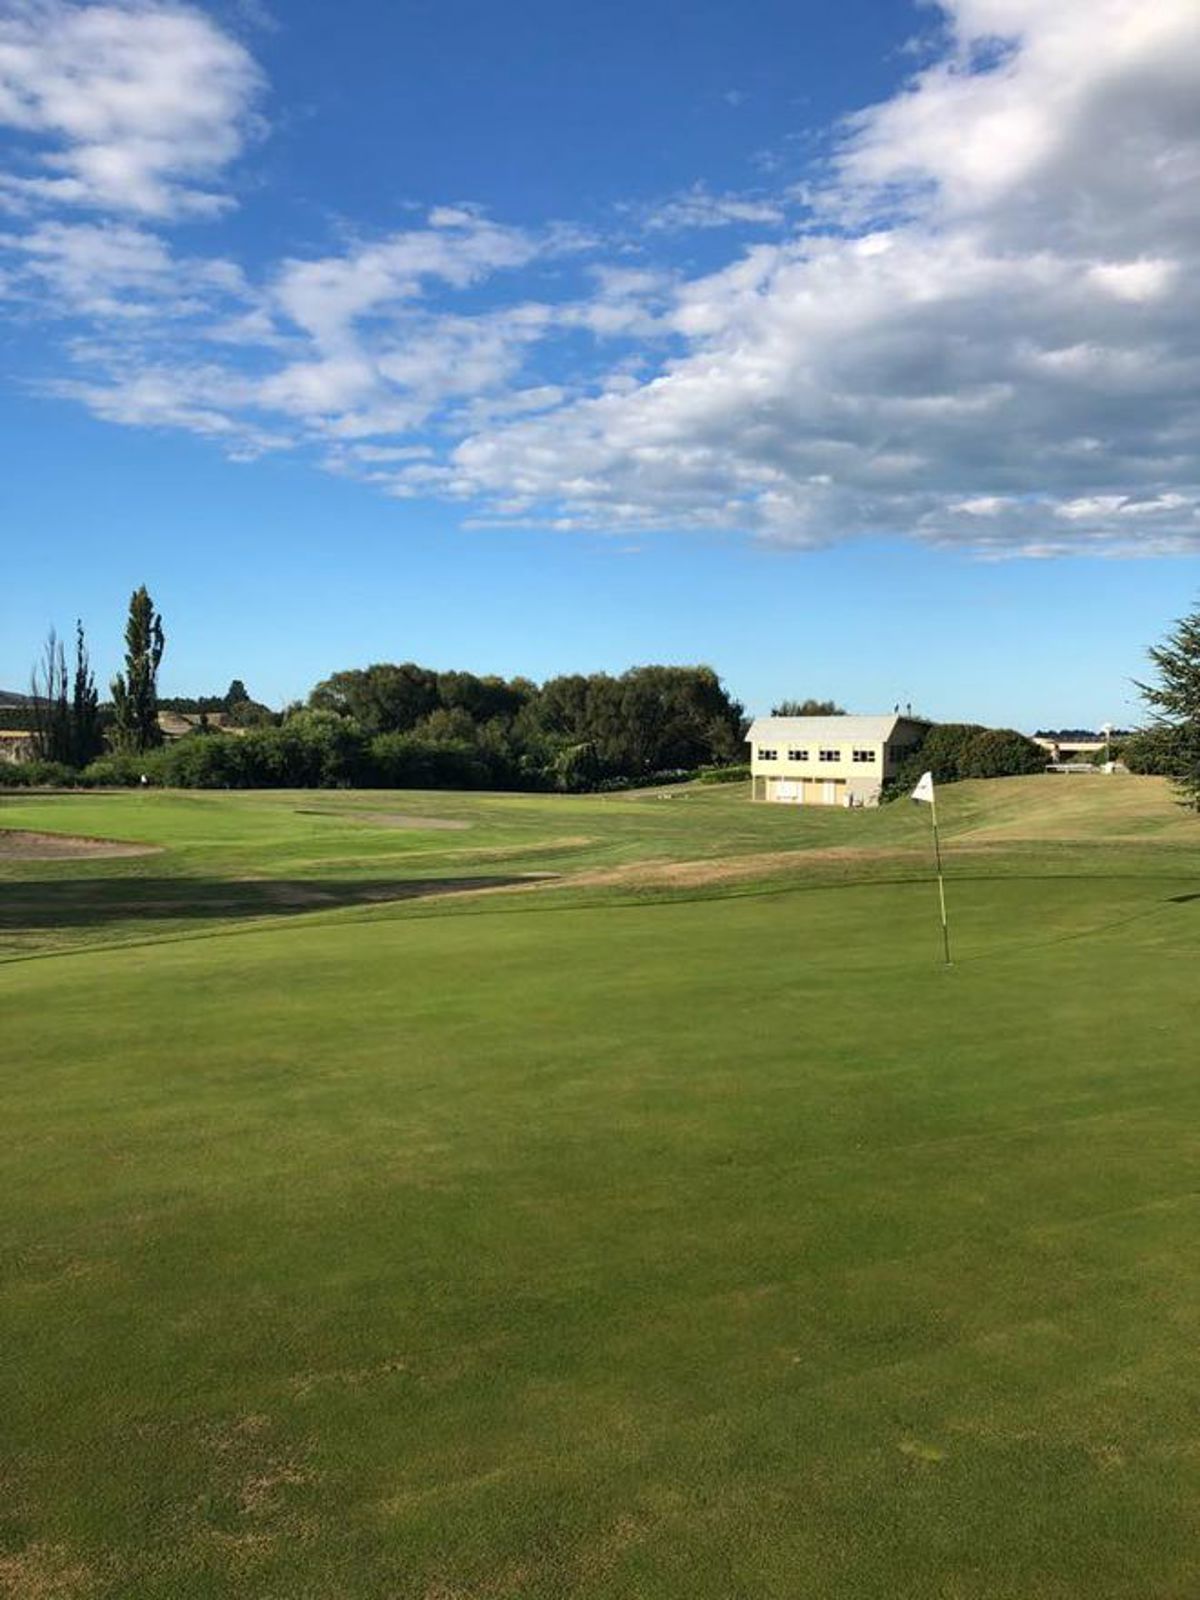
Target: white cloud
{"x":128,"y":106}
{"x":115,"y":270}
{"x":698,"y":207}
{"x":1134,"y":280}
{"x":204,"y":401}
{"x":326,"y":297}
{"x":1023,"y":328}
{"x":989,"y":336}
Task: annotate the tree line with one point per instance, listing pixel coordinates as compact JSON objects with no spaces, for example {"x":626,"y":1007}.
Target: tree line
{"x":394,"y":725}
{"x":403,"y":725}
{"x":408,"y":726}
{"x":65,"y":719}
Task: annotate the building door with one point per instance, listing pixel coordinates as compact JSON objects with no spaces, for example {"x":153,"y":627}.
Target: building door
{"x":829,"y":793}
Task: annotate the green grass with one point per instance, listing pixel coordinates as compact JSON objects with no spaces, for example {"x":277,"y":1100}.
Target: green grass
{"x":623,"y":1239}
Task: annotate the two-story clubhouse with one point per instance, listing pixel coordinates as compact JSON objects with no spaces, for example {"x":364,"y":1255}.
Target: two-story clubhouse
{"x":827,"y":761}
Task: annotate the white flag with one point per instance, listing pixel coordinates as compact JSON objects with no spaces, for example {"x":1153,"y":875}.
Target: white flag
{"x":924,"y":789}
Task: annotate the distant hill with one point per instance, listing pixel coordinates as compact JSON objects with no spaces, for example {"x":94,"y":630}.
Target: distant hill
{"x":8,"y":698}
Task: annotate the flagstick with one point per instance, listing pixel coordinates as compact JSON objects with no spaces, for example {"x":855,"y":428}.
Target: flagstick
{"x":937,"y":856}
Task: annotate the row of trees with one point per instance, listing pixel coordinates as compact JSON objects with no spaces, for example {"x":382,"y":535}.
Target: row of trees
{"x":388,"y":724}
{"x":65,"y":716}
{"x":65,"y":708}
{"x":575,"y":730}
{"x":405,"y":725}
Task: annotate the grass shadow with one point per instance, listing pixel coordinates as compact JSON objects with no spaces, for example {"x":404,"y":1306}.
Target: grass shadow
{"x":62,"y":904}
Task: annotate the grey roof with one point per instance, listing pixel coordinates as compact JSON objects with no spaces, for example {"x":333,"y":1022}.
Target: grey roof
{"x":836,"y":730}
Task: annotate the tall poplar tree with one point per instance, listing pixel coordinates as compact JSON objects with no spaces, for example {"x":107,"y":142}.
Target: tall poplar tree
{"x":135,"y":691}
{"x":86,"y":742}
{"x":51,"y":708}
{"x":1175,"y":700}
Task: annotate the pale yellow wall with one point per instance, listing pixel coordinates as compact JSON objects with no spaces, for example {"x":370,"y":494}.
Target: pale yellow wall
{"x":814,"y":767}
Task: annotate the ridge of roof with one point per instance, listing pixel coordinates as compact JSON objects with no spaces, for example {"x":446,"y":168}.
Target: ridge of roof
{"x":848,"y":726}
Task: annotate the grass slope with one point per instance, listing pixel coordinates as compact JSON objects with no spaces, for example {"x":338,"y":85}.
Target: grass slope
{"x":607,"y":1242}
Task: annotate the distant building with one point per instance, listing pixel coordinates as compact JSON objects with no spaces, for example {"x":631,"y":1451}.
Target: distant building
{"x":1065,"y":745}
{"x":828,"y":761}
{"x":16,"y":745}
{"x":178,"y":724}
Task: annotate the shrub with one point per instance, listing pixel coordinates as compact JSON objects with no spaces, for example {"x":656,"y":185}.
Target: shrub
{"x":121,"y":770}
{"x":36,"y":775}
{"x":735,"y":774}
{"x":1000,"y":753}
{"x":204,"y":761}
{"x":956,"y":750}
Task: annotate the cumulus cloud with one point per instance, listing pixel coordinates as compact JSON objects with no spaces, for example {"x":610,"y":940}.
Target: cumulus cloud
{"x":997,"y":308}
{"x":984,"y":334}
{"x":128,"y":106}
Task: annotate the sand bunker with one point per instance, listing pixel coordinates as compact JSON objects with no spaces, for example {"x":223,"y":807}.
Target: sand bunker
{"x":19,"y":844}
{"x":390,"y":819}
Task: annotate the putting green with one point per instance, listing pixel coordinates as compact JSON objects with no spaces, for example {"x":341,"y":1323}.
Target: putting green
{"x":626,"y":1237}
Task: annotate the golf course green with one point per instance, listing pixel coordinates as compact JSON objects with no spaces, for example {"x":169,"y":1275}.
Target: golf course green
{"x":436,"y":1196}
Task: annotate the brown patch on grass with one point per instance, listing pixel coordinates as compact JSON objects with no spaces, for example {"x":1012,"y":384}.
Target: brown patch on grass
{"x":255,"y":1474}
{"x":347,"y":1377}
{"x":605,"y":1552}
{"x":511,"y":1582}
{"x":222,"y":1441}
{"x":242,"y":1550}
{"x":261,"y":1493}
{"x":43,"y":1572}
{"x":402,"y":1504}
{"x":23,"y":844}
{"x":735,"y":869}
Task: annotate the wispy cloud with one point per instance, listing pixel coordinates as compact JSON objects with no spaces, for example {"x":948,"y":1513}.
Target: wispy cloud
{"x":111,"y":269}
{"x":698,"y":207}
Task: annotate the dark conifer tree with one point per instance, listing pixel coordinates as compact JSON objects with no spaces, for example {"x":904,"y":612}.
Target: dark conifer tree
{"x":1175,"y":700}
{"x":86,"y":742}
{"x":135,"y":691}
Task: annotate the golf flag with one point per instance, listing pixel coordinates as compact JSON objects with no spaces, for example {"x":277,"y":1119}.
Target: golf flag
{"x":924,"y":792}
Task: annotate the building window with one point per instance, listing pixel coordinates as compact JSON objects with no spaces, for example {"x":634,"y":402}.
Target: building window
{"x":864,"y":755}
{"x":797,"y":755}
{"x":831,"y":755}
{"x":768,"y":755}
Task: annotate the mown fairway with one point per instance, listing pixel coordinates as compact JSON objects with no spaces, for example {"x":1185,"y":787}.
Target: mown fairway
{"x":678,"y":1228}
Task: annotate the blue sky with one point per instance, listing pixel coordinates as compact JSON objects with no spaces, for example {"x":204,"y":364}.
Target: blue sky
{"x":851,"y":348}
